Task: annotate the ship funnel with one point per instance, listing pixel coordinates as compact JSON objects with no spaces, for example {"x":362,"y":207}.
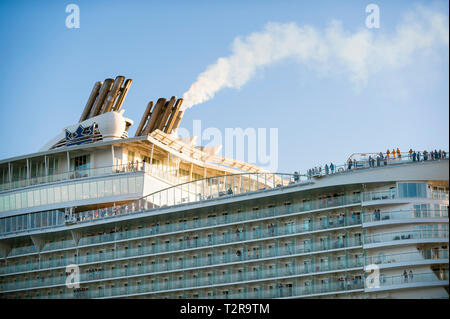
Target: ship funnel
{"x":177,"y":122}
{"x":112,"y":95}
{"x":123,"y":94}
{"x":173,"y":116}
{"x":106,"y":96}
{"x":168,"y":110}
{"x":144,"y":118}
{"x":97,"y":107}
{"x":154,"y":117}
{"x":90,"y":101}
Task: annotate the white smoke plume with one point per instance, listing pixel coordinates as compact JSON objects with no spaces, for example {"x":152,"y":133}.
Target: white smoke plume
{"x":358,"y":54}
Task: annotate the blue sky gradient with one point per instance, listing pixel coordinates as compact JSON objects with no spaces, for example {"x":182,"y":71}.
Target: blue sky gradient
{"x":48,"y":72}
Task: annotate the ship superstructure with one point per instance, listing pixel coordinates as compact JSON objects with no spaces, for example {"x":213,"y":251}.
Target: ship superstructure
{"x":154,"y":216}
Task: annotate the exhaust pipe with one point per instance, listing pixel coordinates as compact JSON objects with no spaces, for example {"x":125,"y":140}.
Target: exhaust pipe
{"x":112,"y":95}
{"x":144,"y":118}
{"x":168,"y":111}
{"x":173,"y":116}
{"x":155,"y":114}
{"x":96,"y":108}
{"x":90,"y":101}
{"x":123,"y":94}
{"x":178,"y":120}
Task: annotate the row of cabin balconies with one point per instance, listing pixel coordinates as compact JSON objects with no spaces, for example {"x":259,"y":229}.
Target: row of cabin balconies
{"x":327,"y":241}
{"x":250,"y":230}
{"x":162,"y":226}
{"x":180,"y":281}
{"x":324,"y":221}
{"x":147,"y":269}
{"x":287,"y":287}
{"x":287,"y":245}
{"x":306,"y":265}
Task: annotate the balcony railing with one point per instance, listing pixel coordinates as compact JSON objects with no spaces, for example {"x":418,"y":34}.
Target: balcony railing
{"x":230,"y":277}
{"x":147,"y":203}
{"x":405,"y":235}
{"x":403,"y":214}
{"x":75,"y":174}
{"x":430,"y":277}
{"x":380,"y":195}
{"x":277,"y":291}
{"x":417,"y":256}
{"x":232,"y":256}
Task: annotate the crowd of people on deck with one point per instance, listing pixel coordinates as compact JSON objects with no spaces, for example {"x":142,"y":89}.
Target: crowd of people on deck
{"x":380,"y":159}
{"x":425,"y":156}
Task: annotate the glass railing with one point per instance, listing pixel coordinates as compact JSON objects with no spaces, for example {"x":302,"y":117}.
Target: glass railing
{"x":410,"y":278}
{"x":253,"y":183}
{"x":232,"y":255}
{"x":258,"y":274}
{"x":403,"y":214}
{"x":159,"y":284}
{"x":380,"y":195}
{"x":205,"y":243}
{"x":16,"y":251}
{"x":59,"y":245}
{"x":244,"y":216}
{"x":276,"y":292}
{"x":75,"y":174}
{"x":439,"y":194}
{"x":228,"y":237}
{"x":270,"y":290}
{"x":144,"y":204}
{"x":392,"y":194}
{"x":417,"y":256}
{"x":405,"y":235}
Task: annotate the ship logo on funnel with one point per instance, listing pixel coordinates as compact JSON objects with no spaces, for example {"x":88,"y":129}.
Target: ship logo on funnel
{"x":81,"y":135}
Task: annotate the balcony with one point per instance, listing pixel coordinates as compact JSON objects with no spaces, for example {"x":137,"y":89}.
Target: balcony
{"x":411,"y":281}
{"x":191,"y":263}
{"x":410,"y":258}
{"x":398,"y":237}
{"x":259,"y":274}
{"x":212,"y":241}
{"x":388,"y":216}
{"x":186,"y":283}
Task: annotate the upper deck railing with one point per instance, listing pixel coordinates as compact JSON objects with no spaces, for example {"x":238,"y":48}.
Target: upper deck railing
{"x":197,"y":191}
{"x":373,"y":160}
{"x":131,"y":167}
{"x":75,"y":174}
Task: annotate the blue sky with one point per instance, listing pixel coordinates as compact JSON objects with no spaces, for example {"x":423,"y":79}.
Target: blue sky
{"x":48,"y":72}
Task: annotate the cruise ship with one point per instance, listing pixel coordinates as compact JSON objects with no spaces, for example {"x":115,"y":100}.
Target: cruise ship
{"x":98,"y":214}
